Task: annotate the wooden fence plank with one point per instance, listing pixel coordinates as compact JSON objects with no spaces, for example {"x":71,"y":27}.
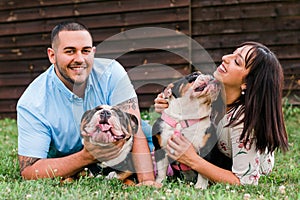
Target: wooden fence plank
{"x":80,"y":9}
{"x":233,"y":39}
{"x":16,"y":80}
{"x":209,"y":3}
{"x":249,"y":11}
{"x":24,"y":66}
{"x":25,"y":36}
{"x":11,"y":92}
{"x":216,"y":25}
{"x":99,"y":34}
{"x":7,"y":106}
{"x":17,"y":4}
{"x":246,"y":26}
{"x":91,"y":6}
{"x":109,"y":20}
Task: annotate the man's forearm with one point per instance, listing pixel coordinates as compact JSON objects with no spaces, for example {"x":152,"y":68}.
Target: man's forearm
{"x":142,"y":159}
{"x":140,"y":151}
{"x":54,"y":167}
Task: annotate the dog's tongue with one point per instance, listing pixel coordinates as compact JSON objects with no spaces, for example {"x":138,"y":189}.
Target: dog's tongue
{"x":104,"y":127}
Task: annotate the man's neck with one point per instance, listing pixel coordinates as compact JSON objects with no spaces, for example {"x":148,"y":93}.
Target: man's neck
{"x":79,"y":89}
{"x":76,"y":88}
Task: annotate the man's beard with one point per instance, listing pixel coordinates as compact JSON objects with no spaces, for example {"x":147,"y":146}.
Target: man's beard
{"x":67,"y":78}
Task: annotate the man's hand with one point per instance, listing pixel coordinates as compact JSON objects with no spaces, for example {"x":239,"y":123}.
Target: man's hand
{"x":103,"y":153}
{"x":150,"y":183}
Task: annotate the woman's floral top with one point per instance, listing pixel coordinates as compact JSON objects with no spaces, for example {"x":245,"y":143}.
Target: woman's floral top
{"x":247,"y":163}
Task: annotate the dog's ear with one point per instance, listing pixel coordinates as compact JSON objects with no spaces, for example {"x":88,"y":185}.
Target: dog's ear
{"x":86,"y":118}
{"x":128,"y":120}
{"x":134,"y":123}
{"x":156,"y":127}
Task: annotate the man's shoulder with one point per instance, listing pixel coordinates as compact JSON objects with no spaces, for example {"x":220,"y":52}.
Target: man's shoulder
{"x":36,"y":89}
{"x":104,"y":64}
{"x":105,"y":68}
{"x":103,"y":61}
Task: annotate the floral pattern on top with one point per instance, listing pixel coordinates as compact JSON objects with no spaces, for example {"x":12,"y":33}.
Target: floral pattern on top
{"x":247,"y":163}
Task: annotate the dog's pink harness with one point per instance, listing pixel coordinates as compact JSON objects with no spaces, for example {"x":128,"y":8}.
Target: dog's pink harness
{"x":184,"y":124}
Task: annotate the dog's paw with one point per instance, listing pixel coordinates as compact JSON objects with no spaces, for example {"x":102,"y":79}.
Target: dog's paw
{"x":202,"y":183}
{"x":112,"y":175}
{"x":159,"y":179}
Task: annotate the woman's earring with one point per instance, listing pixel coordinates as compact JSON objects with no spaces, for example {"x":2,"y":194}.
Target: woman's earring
{"x":243,"y":92}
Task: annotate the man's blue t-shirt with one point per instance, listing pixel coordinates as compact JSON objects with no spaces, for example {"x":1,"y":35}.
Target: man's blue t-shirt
{"x":49,"y":114}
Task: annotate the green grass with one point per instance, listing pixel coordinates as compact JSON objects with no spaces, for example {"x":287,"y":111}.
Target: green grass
{"x":283,"y":183}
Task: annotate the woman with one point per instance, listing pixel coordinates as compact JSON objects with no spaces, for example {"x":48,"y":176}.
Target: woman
{"x":252,"y":128}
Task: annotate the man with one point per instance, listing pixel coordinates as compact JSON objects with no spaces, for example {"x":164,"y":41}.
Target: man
{"x":49,"y":111}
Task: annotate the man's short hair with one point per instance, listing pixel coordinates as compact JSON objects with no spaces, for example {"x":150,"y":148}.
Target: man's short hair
{"x":67,"y":26}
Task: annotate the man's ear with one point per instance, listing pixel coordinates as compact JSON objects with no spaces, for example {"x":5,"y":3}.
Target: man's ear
{"x":94,"y":49}
{"x":51,"y":55}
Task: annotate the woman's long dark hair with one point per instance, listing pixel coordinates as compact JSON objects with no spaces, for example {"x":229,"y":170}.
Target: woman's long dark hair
{"x":262,"y":101}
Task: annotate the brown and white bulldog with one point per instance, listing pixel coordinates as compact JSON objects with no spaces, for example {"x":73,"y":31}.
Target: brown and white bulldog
{"x":104,"y":125}
{"x":189,"y":114}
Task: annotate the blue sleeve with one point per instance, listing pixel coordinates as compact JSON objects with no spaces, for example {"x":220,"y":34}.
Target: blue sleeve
{"x":111,"y":82}
{"x":123,"y":91}
{"x":33,"y":133}
{"x":116,"y":87}
{"x":120,"y":85}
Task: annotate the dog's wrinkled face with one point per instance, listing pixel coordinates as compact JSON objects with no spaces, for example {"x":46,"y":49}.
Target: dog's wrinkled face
{"x":193,"y":84}
{"x":206,"y":85}
{"x":105,"y":124}
{"x":192,"y":95}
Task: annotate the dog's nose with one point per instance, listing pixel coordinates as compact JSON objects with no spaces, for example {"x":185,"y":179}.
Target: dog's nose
{"x":105,"y":115}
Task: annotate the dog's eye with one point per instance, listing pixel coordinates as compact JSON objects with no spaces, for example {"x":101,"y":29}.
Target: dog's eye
{"x":98,"y":108}
{"x":200,"y":88}
{"x":192,"y":77}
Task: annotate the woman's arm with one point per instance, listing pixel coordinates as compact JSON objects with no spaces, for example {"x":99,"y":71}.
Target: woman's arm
{"x":185,"y":153}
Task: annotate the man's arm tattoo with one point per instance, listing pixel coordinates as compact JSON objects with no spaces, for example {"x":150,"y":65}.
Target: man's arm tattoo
{"x":130,"y":103}
{"x":26,"y":161}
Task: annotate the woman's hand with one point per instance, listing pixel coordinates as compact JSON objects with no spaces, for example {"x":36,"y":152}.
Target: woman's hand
{"x":182,"y":150}
{"x":160,"y":103}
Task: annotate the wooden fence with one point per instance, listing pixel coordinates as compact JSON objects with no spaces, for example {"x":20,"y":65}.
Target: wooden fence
{"x":218,"y":26}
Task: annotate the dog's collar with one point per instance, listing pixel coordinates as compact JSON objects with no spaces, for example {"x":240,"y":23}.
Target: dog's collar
{"x":180,"y":167}
{"x":184,"y":123}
